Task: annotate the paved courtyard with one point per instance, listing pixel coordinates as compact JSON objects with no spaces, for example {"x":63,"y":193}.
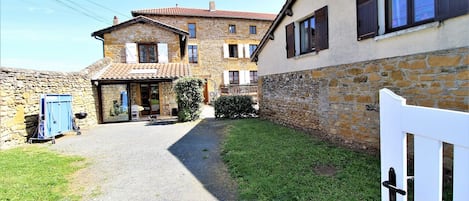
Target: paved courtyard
{"x":138,"y":161}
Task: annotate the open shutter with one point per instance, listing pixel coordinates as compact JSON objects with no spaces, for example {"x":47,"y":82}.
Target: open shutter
{"x":322,"y":30}
{"x":131,"y":53}
{"x":367,"y":19}
{"x":226,"y":51}
{"x":451,"y":8}
{"x":242,"y":77}
{"x":226,"y":77}
{"x":163,"y":53}
{"x":247,"y":77}
{"x":290,"y":30}
{"x":240,"y":50}
{"x":247,"y":51}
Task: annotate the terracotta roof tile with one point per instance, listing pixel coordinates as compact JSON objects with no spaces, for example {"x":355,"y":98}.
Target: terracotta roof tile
{"x":178,"y":11}
{"x":123,"y":71}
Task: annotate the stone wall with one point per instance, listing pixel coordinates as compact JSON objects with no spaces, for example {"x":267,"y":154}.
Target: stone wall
{"x":167,"y":98}
{"x":211,"y":34}
{"x":19,"y":100}
{"x":341,"y":103}
{"x":114,"y":42}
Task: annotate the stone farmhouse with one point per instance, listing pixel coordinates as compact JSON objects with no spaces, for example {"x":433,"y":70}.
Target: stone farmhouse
{"x":143,"y":56}
{"x":338,"y":56}
{"x":158,"y":46}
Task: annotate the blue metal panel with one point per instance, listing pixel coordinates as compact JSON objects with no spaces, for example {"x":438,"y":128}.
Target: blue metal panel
{"x":56,"y":115}
{"x":124,"y":101}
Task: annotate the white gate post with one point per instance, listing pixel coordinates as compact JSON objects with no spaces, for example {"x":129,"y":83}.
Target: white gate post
{"x":393,"y":142}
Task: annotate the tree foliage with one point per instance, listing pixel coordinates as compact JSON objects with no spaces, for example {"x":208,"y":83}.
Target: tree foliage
{"x":189,"y":94}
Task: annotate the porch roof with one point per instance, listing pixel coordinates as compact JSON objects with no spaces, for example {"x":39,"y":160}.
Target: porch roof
{"x":147,"y":71}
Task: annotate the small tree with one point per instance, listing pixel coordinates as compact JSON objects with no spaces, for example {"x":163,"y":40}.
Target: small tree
{"x":189,"y":96}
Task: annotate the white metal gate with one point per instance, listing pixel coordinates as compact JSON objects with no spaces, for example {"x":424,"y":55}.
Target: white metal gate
{"x":430,"y":127}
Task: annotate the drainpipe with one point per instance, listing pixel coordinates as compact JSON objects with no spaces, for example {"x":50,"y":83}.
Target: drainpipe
{"x":102,"y":40}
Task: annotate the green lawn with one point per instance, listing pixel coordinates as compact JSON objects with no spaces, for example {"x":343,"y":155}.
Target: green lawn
{"x":271,"y":162}
{"x":34,"y":173}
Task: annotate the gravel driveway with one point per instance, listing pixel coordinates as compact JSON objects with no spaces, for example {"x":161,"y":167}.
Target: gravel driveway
{"x":137,"y":161}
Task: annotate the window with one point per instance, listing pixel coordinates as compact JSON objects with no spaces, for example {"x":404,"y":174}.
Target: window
{"x":192,"y":30}
{"x":233,"y":51}
{"x":253,"y":76}
{"x":252,"y":48}
{"x":234,"y":77}
{"x":193,"y":54}
{"x":401,"y":14}
{"x":232,"y":28}
{"x":148,"y":53}
{"x":405,"y":13}
{"x":367,"y":19}
{"x":307,"y":28}
{"x":252,"y":29}
{"x":314,"y":34}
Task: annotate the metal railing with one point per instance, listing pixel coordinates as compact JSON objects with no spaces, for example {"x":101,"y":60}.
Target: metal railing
{"x":239,"y":90}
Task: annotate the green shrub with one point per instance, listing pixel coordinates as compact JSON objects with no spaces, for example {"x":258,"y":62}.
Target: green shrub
{"x":189,"y":96}
{"x":234,"y":107}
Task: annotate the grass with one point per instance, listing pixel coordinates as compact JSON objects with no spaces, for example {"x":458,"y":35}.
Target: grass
{"x":271,"y":162}
{"x":35,"y":173}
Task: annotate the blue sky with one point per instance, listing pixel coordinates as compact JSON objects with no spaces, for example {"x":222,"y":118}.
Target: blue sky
{"x":49,"y":35}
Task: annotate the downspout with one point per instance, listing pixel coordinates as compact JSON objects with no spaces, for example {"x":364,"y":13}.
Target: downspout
{"x":102,"y":40}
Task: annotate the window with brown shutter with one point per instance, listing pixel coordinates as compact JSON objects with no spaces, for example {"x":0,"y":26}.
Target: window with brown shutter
{"x":290,"y":30}
{"x":367,"y":19}
{"x":322,"y":29}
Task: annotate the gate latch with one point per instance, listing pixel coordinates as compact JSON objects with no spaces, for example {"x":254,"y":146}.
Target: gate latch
{"x":391,"y":185}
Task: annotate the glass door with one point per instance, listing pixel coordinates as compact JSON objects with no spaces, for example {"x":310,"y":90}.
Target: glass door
{"x":154,"y":99}
{"x":145,"y":98}
{"x":115,"y":103}
{"x":150,"y":97}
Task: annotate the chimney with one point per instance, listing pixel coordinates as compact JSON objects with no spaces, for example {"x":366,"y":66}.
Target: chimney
{"x":212,"y":6}
{"x":115,"y":21}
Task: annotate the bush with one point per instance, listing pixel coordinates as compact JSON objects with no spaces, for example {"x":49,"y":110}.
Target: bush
{"x":189,"y":96}
{"x":234,"y":107}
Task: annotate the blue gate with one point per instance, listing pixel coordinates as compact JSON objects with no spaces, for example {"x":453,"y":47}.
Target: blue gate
{"x":55,"y":115}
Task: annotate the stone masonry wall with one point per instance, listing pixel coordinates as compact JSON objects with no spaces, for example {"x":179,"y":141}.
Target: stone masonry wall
{"x":342,"y":102}
{"x":211,"y":34}
{"x":19,"y":100}
{"x":167,"y":98}
{"x":114,"y":42}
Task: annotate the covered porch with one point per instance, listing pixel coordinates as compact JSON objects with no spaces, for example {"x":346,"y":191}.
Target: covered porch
{"x":134,"y":92}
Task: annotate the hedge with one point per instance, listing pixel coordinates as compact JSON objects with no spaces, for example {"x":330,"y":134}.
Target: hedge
{"x":234,"y":107}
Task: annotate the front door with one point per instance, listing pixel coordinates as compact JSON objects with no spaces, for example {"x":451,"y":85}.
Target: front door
{"x":150,"y":97}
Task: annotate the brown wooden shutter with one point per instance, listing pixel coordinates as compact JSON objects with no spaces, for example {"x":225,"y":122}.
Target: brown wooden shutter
{"x":322,"y":30}
{"x":367,"y":19}
{"x":290,"y":29}
{"x":451,"y":8}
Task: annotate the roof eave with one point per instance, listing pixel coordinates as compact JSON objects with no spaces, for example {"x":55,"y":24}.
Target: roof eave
{"x":135,"y":20}
{"x":286,"y":7}
{"x":202,"y":16}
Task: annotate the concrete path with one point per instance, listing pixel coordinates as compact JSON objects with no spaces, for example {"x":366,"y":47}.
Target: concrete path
{"x":137,"y":161}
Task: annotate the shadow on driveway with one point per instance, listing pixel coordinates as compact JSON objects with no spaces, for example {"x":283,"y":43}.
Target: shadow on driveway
{"x":199,"y":151}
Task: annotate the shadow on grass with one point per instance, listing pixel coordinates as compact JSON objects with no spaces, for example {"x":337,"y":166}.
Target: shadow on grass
{"x":199,"y":151}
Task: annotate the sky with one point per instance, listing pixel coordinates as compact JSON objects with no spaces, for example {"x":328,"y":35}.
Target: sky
{"x":55,"y":35}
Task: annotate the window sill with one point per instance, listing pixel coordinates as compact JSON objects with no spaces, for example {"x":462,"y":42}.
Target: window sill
{"x":407,"y":31}
{"x":313,"y":53}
